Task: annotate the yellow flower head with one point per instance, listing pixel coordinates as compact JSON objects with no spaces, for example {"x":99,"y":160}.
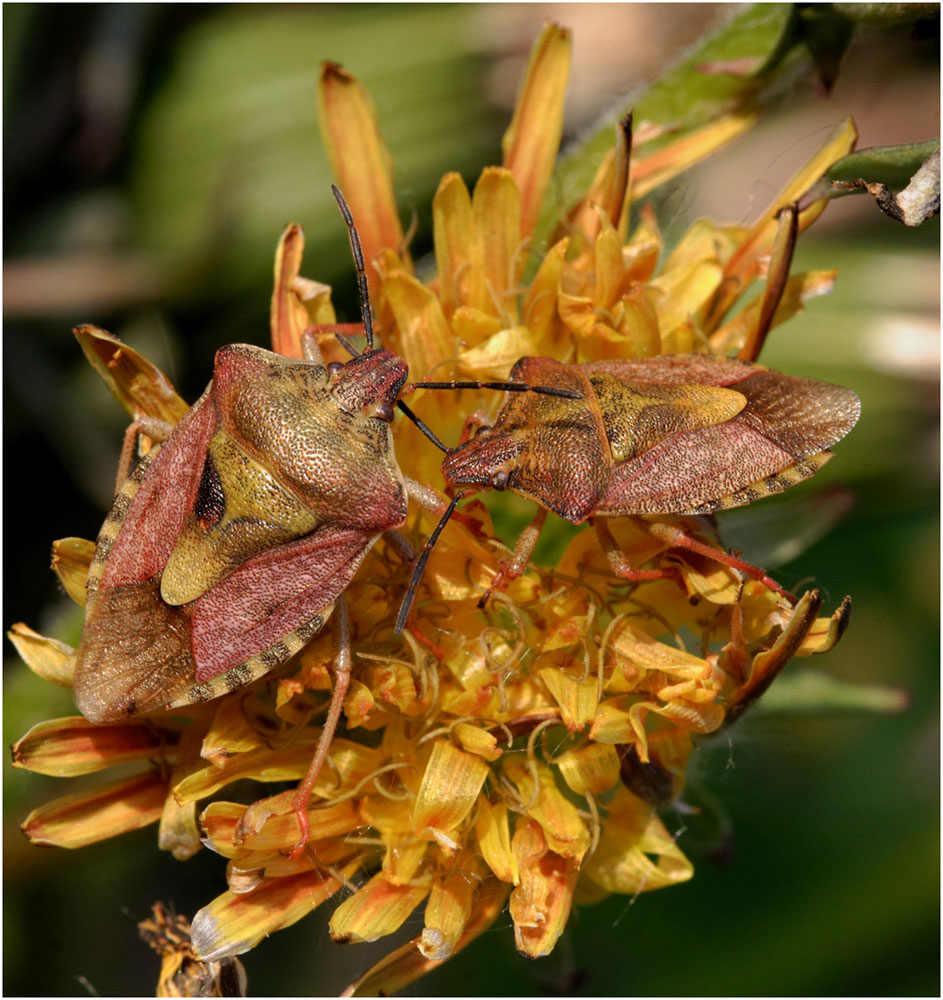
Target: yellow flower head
{"x":516,"y":753}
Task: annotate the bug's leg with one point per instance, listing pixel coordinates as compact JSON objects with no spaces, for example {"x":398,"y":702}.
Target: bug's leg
{"x":157,"y":430}
{"x":342,"y":664}
{"x":473,"y":423}
{"x":512,"y":568}
{"x":619,"y":562}
{"x":677,"y":538}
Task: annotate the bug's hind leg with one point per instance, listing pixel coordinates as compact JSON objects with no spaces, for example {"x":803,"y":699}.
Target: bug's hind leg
{"x":676,"y":538}
{"x":342,"y":665}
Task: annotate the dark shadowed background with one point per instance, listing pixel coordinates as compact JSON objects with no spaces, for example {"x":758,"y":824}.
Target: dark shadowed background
{"x":152,"y":155}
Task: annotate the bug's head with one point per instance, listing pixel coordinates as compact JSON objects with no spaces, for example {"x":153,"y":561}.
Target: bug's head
{"x":372,"y":380}
{"x":489,"y":459}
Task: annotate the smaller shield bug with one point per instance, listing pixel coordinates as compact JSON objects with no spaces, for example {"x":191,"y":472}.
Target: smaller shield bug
{"x":670,"y":434}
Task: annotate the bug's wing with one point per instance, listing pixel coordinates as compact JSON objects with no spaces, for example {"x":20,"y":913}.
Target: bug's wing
{"x":779,"y":437}
{"x":145,"y":519}
{"x":139,"y":654}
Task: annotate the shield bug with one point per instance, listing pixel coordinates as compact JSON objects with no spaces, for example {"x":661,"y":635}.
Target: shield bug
{"x":671,"y":434}
{"x":232,"y":542}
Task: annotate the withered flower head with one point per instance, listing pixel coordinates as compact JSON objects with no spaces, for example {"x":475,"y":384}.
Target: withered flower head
{"x":513,"y":754}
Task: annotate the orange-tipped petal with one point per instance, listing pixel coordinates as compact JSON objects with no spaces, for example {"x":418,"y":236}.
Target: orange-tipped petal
{"x":288,"y":317}
{"x":532,"y":140}
{"x":71,"y":558}
{"x":744,"y":265}
{"x":540,"y":904}
{"x":108,"y":811}
{"x":360,"y":161}
{"x":138,"y":385}
{"x":375,"y":910}
{"x":71,"y":746}
{"x":48,"y":658}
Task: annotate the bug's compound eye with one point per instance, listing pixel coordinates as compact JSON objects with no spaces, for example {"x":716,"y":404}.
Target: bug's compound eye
{"x":334,"y":369}
{"x":384,"y":411}
{"x":482,"y":429}
{"x":500,"y":480}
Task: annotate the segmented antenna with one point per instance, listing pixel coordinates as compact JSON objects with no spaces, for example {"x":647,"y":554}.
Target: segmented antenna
{"x":543,"y":390}
{"x":421,"y":563}
{"x":365,"y":311}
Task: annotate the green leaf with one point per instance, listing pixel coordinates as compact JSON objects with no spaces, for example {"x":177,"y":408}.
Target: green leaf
{"x":808,"y":692}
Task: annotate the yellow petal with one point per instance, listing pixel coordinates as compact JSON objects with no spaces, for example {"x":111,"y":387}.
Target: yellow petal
{"x":375,"y":910}
{"x":496,"y":248}
{"x":347,"y":764}
{"x":494,"y":839}
{"x":473,"y":326}
{"x":577,"y":698}
{"x":608,"y":189}
{"x":540,"y":305}
{"x":825,"y":632}
{"x":233,"y":923}
{"x":423,"y":335}
{"x":360,"y":161}
{"x":71,"y":558}
{"x":48,"y":658}
{"x":532,"y":140}
{"x":638,"y":652}
{"x":540,"y":904}
{"x":635,"y":852}
{"x":448,"y":909}
{"x":108,"y":811}
{"x":71,"y":746}
{"x":565,"y":830}
{"x":478,"y":741}
{"x":450,"y":785}
{"x":138,"y":385}
{"x":453,"y":236}
{"x":231,"y":732}
{"x":178,"y":831}
{"x":592,"y":768}
{"x":397,"y":970}
{"x":609,"y":267}
{"x":495,"y":357}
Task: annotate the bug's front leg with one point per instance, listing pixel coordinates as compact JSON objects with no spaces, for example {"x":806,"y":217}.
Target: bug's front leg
{"x":619,"y":562}
{"x":342,"y":665}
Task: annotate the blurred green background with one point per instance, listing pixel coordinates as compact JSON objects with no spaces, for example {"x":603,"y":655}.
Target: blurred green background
{"x":153,"y":154}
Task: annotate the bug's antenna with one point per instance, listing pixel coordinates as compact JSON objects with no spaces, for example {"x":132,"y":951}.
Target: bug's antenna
{"x":365,"y":311}
{"x":544,"y":390}
{"x":421,"y":563}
